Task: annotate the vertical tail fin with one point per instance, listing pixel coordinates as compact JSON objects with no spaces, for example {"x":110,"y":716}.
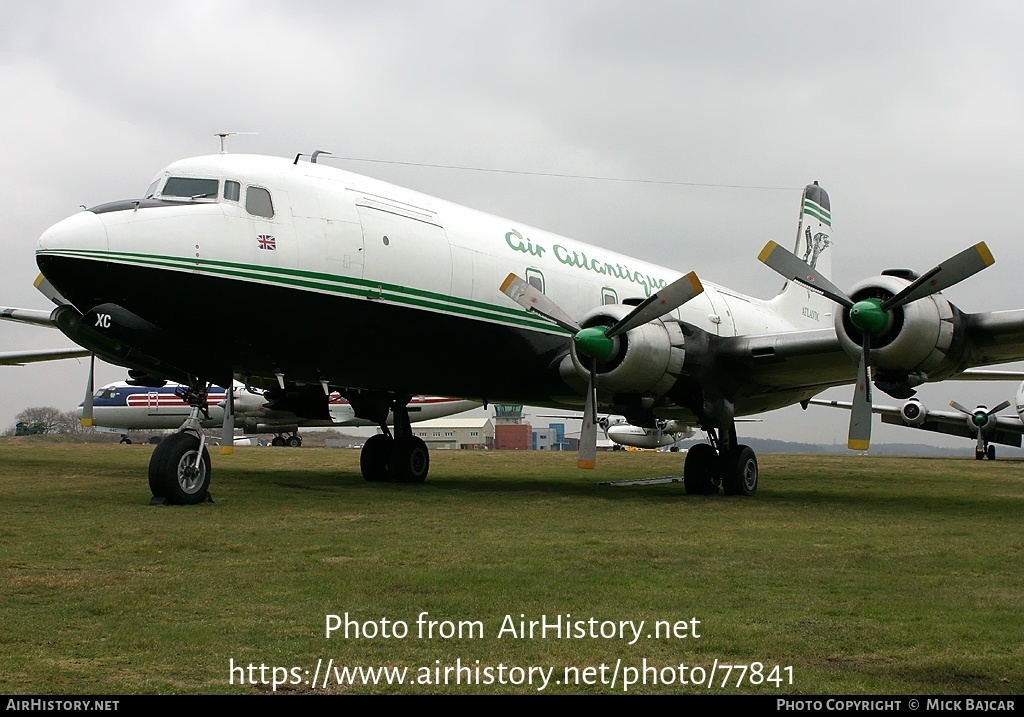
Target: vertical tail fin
{"x":804,"y":308}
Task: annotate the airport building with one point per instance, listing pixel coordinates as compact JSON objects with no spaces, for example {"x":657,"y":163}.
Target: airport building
{"x":449,"y":433}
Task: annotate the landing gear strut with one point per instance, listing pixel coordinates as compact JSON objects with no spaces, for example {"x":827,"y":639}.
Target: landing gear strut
{"x":179,"y":469}
{"x":400,"y":457}
{"x":724,"y":463}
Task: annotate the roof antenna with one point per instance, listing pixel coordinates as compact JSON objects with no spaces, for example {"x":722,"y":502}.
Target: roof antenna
{"x":317,"y":153}
{"x":224,"y":135}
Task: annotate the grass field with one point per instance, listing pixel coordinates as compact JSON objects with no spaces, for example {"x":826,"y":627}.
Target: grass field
{"x":864,"y":575}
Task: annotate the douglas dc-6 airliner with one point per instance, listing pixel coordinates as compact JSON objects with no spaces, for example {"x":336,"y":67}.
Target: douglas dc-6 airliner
{"x":381,"y":293}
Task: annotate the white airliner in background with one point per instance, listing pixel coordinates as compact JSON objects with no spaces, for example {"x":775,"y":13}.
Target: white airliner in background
{"x":121,"y":407}
{"x":381,"y":293}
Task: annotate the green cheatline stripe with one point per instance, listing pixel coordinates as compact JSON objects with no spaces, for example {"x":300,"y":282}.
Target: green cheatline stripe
{"x":326,"y":283}
{"x":818,"y":212}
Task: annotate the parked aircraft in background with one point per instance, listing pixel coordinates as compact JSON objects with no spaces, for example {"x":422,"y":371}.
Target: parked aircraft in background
{"x":381,"y":293}
{"x":980,"y":423}
{"x":122,"y":407}
{"x":665,"y":433}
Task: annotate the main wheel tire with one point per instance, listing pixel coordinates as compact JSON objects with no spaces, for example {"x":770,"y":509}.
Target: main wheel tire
{"x":409,"y":461}
{"x":293,"y":441}
{"x":739,"y":471}
{"x":373,"y":458}
{"x":277,"y":441}
{"x":699,"y":470}
{"x":991,"y":453}
{"x":125,"y":441}
{"x":172,"y":470}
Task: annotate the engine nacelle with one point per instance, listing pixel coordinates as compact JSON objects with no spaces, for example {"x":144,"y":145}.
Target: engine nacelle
{"x":646,"y":360}
{"x":918,"y":336}
{"x":913,"y":412}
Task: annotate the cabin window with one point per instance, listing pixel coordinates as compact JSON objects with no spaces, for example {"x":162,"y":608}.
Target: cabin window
{"x":608,"y":296}
{"x":232,"y":190}
{"x":191,"y":188}
{"x":258,"y":203}
{"x":535,"y":279}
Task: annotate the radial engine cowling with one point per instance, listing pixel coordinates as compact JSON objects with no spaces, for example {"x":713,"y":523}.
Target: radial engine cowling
{"x":913,"y":412}
{"x":919,"y":334}
{"x":646,"y":360}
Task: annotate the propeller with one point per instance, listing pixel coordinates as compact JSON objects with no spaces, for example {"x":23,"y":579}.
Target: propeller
{"x":872,"y":316}
{"x":87,"y":403}
{"x":227,"y":440}
{"x":598,"y":342}
{"x":979,"y":418}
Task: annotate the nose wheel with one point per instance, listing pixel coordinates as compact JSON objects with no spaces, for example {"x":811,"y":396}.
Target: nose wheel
{"x":179,"y":469}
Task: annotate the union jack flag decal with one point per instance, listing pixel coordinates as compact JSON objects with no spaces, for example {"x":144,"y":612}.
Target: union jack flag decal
{"x":267,"y":242}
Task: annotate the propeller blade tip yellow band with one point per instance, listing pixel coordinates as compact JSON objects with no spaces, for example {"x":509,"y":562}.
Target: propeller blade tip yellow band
{"x":766,"y":252}
{"x":985,"y":254}
{"x":695,"y":282}
{"x":587,"y":465}
{"x":508,"y":280}
{"x":857,"y":444}
{"x":227,"y":450}
{"x":86,"y":422}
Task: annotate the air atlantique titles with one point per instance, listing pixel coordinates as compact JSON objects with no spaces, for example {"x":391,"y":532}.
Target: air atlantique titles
{"x":580,"y":260}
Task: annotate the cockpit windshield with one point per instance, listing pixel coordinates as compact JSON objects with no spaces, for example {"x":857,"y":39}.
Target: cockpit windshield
{"x":190,"y":188}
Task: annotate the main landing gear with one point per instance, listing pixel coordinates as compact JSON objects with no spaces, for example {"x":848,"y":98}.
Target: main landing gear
{"x":987,"y":452}
{"x":724,"y":463}
{"x":292,"y":441}
{"x":399,"y":457}
{"x":179,"y":469}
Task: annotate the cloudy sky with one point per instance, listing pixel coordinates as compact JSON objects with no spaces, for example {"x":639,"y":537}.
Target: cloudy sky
{"x":911,"y":114}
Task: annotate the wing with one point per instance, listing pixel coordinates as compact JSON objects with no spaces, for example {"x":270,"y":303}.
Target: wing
{"x":20,"y":358}
{"x":1006,"y":431}
{"x":26,"y":316}
{"x":773,"y":370}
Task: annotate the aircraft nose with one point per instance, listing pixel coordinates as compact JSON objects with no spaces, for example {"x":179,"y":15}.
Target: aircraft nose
{"x":82,"y":231}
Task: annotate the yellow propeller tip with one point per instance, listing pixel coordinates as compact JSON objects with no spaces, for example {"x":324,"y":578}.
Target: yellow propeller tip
{"x":586,"y":465}
{"x":227,"y":450}
{"x":86,"y":422}
{"x":985,"y":254}
{"x":766,"y":252}
{"x":508,"y":280}
{"x":857,"y":445}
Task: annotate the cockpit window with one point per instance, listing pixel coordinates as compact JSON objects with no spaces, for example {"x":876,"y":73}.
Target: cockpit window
{"x":232,"y":190}
{"x":105,"y":393}
{"x":152,"y":189}
{"x":258,"y":203}
{"x":190,"y":187}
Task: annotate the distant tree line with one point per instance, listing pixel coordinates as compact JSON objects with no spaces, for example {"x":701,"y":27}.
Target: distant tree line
{"x":45,"y":420}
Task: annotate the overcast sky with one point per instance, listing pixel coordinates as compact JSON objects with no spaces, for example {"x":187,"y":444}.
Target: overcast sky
{"x":909,"y":113}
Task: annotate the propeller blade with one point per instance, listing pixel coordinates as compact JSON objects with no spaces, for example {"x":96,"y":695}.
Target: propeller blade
{"x":87,"y":404}
{"x":588,"y":431}
{"x":227,"y":440}
{"x":658,"y":304}
{"x":952,"y":271}
{"x":1000,"y":407}
{"x":860,"y":412}
{"x":795,"y":269}
{"x":532,"y":299}
{"x":962,"y":409}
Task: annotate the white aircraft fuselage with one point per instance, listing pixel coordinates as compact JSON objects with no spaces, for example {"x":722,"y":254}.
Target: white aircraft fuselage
{"x":351,"y":278}
{"x":126,"y":407}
